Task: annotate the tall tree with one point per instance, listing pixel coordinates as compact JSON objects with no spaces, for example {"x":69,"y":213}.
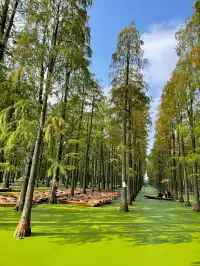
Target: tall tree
{"x":127,"y":63}
{"x":58,"y":26}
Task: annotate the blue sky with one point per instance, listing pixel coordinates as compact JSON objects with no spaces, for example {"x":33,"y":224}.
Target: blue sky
{"x":157,"y":22}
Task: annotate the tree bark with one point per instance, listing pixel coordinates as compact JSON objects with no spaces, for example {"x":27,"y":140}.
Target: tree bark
{"x":196,"y":206}
{"x":124,"y":204}
{"x":102,"y":166}
{"x":87,"y":150}
{"x":20,"y":203}
{"x":4,"y":17}
{"x":6,"y":180}
{"x":187,"y":198}
{"x":108,"y":175}
{"x":130,"y":163}
{"x":6,"y":32}
{"x":24,"y":226}
{"x":174,"y":178}
{"x":99,"y":174}
{"x":75,"y":171}
{"x":53,"y":198}
{"x":179,"y":176}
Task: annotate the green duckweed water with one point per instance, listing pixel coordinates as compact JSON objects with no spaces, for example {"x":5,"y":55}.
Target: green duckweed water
{"x":152,"y":233}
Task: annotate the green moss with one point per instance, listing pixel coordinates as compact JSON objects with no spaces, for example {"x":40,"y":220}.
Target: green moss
{"x":152,"y":233}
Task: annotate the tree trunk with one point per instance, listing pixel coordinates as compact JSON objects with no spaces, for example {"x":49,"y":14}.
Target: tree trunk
{"x":196,"y":206}
{"x":20,"y":203}
{"x":93,"y":173}
{"x":4,"y":16}
{"x":175,"y":192}
{"x":129,"y":183}
{"x":75,"y":171}
{"x":6,"y":183}
{"x":124,"y":204}
{"x":134,"y":182}
{"x":99,"y":174}
{"x":187,"y":199}
{"x":180,"y":182}
{"x":140,"y":183}
{"x":53,"y":199}
{"x":24,"y":227}
{"x":48,"y":182}
{"x":87,"y":150}
{"x":102,"y":166}
{"x":5,"y":33}
{"x":109,"y":169}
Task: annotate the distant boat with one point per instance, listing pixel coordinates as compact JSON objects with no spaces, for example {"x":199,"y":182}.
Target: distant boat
{"x":158,"y":198}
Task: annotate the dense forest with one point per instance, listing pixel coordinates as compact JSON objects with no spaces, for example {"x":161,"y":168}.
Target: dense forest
{"x":57,"y":128}
{"x":174,"y":161}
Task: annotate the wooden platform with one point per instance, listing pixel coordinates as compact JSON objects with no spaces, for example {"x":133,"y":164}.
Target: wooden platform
{"x":78,"y":203}
{"x":87,"y":204}
{"x":89,"y":200}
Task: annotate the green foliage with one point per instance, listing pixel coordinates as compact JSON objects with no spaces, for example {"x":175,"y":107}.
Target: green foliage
{"x":176,"y":142}
{"x":55,"y":165}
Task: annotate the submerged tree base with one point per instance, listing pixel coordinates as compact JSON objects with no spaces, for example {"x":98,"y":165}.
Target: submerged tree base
{"x":53,"y":197}
{"x":196,"y":207}
{"x":181,"y":199}
{"x":19,"y":207}
{"x":176,"y":196}
{"x":23,"y":230}
{"x":124,"y":207}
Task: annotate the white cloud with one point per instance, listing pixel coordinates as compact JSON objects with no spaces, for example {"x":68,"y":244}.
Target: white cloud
{"x":159,"y":49}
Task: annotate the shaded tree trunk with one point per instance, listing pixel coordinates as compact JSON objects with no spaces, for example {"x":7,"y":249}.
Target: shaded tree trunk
{"x":75,"y":171}
{"x":20,"y":203}
{"x":129,"y":183}
{"x":6,"y":180}
{"x":124,"y":204}
{"x":102,"y":166}
{"x":53,"y":198}
{"x":108,"y":176}
{"x":87,"y":151}
{"x":179,"y":176}
{"x":187,"y":198}
{"x":24,"y":227}
{"x":174,"y":179}
{"x":111,"y":171}
{"x":5,"y":32}
{"x":196,"y":206}
{"x":93,"y":172}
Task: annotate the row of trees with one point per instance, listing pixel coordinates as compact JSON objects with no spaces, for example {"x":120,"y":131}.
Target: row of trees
{"x":56,"y":126}
{"x":175,"y":154}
